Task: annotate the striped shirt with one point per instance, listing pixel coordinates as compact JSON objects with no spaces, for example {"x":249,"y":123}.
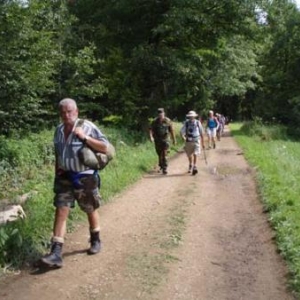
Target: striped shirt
{"x":66,"y":150}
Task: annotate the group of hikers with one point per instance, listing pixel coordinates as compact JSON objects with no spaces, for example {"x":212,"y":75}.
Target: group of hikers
{"x":192,"y":133}
{"x":76,"y":180}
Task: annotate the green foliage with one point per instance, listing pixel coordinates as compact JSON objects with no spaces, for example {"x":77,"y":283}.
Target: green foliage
{"x":23,"y":156}
{"x":277,"y":163}
{"x":279,"y":91}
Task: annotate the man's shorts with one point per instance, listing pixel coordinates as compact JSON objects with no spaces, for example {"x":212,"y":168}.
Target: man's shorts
{"x":192,"y":148}
{"x":161,"y":145}
{"x":212,"y":132}
{"x":86,"y":192}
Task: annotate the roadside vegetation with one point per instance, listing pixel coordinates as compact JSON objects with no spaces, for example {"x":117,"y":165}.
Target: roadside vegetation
{"x":276,"y":158}
{"x":27,"y":168}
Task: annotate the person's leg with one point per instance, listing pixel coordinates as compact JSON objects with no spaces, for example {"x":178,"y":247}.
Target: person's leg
{"x":189,"y":154}
{"x":89,"y":200}
{"x":165,"y":161}
{"x":214,"y":133}
{"x":63,"y":200}
{"x":195,"y":170}
{"x":164,"y":156}
{"x":54,"y":258}
{"x":93,"y":219}
{"x":158,"y":152}
{"x":190,"y":158}
{"x":219,"y":134}
{"x":195,"y":160}
{"x":209,"y":138}
{"x":60,"y":221}
{"x":195,"y":154}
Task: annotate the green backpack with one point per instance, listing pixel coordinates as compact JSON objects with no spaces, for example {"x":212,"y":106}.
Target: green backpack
{"x":94,"y":159}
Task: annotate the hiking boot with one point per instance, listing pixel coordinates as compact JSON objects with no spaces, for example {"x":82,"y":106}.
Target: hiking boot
{"x":54,"y":259}
{"x":195,"y":171}
{"x":95,"y":243}
{"x":165,"y":172}
{"x":190,"y":169}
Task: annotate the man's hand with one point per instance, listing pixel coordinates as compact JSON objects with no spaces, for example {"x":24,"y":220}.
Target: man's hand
{"x":79,"y":133}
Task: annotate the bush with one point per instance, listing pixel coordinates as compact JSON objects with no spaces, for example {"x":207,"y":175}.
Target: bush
{"x":264,"y":131}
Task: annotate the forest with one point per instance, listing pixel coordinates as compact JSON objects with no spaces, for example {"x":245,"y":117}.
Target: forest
{"x":121,"y":59}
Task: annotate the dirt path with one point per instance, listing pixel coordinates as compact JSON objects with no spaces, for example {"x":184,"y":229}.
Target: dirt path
{"x":172,"y":237}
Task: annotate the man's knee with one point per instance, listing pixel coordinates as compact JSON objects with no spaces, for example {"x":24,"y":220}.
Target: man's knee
{"x":62,"y":212}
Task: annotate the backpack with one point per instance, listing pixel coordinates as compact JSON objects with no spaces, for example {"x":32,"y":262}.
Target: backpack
{"x":188,"y":126}
{"x":93,"y":159}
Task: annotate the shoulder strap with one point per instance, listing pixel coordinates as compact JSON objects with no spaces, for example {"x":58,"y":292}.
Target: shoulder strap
{"x":80,"y":123}
{"x":186,"y":127}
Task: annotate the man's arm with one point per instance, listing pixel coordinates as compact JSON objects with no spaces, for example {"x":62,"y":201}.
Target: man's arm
{"x":151,"y":134}
{"x":202,"y":140}
{"x":172,"y":132}
{"x":201,"y":135}
{"x":218,"y":123}
{"x":99,"y":146}
{"x":95,"y":144}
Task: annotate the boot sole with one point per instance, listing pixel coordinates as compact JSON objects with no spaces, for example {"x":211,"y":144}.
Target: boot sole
{"x":50,"y":265}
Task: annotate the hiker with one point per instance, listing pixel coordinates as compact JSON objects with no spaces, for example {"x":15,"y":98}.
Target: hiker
{"x":192,"y":132}
{"x":220,"y":128}
{"x":160,"y":130}
{"x":73,"y":180}
{"x":212,"y":126}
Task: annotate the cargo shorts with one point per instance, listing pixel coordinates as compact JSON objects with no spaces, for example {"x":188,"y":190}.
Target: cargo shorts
{"x":161,"y":145}
{"x":85,"y":191}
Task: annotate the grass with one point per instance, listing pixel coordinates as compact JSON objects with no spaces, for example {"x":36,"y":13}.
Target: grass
{"x":277,"y":160}
{"x":27,"y":167}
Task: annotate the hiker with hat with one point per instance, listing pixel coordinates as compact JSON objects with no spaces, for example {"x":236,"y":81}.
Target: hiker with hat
{"x":192,"y":132}
{"x":160,"y":130}
{"x":212,"y":126}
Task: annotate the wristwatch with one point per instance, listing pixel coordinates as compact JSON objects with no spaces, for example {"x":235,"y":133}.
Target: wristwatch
{"x":85,"y":139}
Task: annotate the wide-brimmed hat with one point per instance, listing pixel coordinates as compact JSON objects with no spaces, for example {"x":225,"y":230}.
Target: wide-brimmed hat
{"x":191,"y":113}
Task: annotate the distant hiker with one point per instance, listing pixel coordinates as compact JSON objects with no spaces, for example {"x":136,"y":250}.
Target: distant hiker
{"x":73,"y":180}
{"x":220,"y":128}
{"x":160,"y":130}
{"x":212,"y":125}
{"x":192,"y":133}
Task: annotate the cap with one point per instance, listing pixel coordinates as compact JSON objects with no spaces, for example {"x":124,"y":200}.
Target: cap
{"x":160,"y":110}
